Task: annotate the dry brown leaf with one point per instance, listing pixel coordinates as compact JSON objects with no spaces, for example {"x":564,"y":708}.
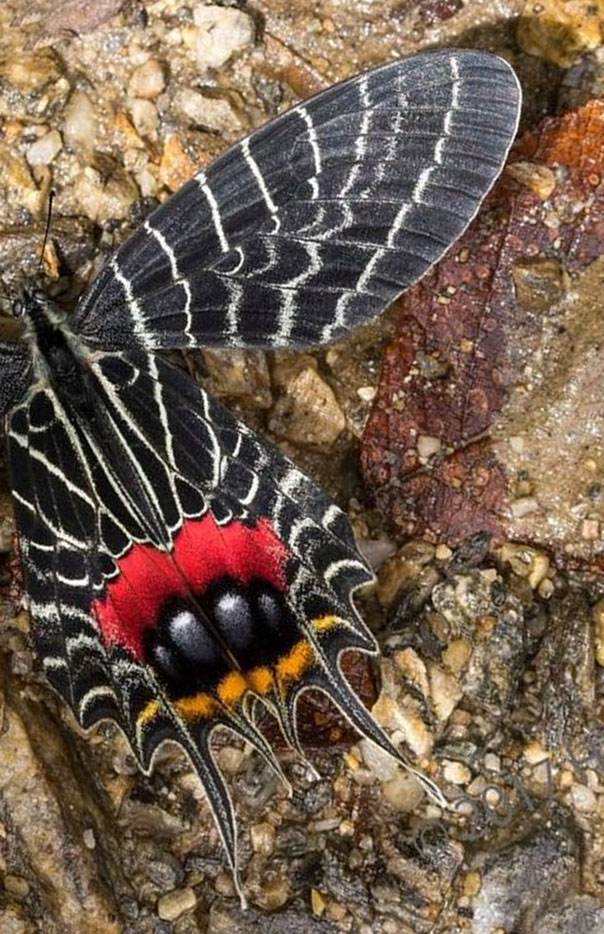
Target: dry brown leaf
{"x":490,"y":414}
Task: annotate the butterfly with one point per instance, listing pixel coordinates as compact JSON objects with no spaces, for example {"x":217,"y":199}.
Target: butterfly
{"x":181,"y":573}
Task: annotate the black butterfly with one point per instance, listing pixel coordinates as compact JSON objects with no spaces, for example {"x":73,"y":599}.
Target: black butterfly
{"x":180,"y":571}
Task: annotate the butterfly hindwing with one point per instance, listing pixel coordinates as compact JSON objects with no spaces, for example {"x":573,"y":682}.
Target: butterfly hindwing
{"x":247,"y":595}
{"x":319,"y":219}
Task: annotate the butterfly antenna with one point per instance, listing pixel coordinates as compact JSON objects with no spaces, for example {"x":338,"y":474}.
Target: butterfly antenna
{"x":51,"y":198}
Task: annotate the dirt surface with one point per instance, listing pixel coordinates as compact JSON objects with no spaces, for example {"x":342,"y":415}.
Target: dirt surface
{"x":492,"y":629}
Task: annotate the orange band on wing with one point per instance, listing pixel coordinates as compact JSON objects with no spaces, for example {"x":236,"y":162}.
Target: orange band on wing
{"x":293,"y":665}
{"x":148,"y":713}
{"x":324,"y":622}
{"x":261,"y":680}
{"x":196,"y":707}
{"x":232,"y":688}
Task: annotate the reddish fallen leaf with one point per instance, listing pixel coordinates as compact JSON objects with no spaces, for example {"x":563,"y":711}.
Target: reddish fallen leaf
{"x":489,"y":413}
{"x":320,"y":724}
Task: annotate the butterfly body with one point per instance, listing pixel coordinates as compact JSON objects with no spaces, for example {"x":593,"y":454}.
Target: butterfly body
{"x":181,"y":573}
{"x":55,"y":355}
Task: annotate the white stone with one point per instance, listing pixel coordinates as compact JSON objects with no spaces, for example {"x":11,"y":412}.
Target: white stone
{"x":216,"y":113}
{"x":44,"y":150}
{"x":456,"y":772}
{"x":445,"y":691}
{"x":524,"y":506}
{"x":582,"y":798}
{"x":404,"y":792}
{"x":427,"y":446}
{"x":144,"y":116}
{"x":80,"y":122}
{"x":147,"y":81}
{"x":383,"y":766}
{"x":221,"y":31}
{"x":492,"y":762}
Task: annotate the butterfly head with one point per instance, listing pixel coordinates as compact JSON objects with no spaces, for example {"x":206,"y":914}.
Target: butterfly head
{"x":34,"y":307}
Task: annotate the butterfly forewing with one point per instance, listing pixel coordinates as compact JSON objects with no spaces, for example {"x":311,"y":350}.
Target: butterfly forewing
{"x":180,"y":571}
{"x":318,"y":220}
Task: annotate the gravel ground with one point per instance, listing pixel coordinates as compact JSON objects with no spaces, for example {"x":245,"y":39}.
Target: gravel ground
{"x":492,"y":661}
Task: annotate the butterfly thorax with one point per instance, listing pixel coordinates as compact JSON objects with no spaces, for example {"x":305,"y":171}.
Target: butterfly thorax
{"x":55,"y":359}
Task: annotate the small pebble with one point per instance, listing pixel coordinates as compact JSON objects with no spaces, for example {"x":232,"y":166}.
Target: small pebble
{"x":274,"y":892}
{"x":104,"y":199}
{"x":565,"y":779}
{"x":80,"y":121}
{"x":317,"y":903}
{"x":263,"y":838}
{"x":537,"y":178}
{"x":173,"y":904}
{"x":215,"y":113}
{"x":224,"y":884}
{"x":524,"y":506}
{"x":546,"y":588}
{"x":221,"y":31}
{"x":534,"y":753}
{"x":443,"y":553}
{"x":89,"y":840}
{"x":44,"y":150}
{"x":539,"y":569}
{"x":145,"y":117}
{"x":526,"y":562}
{"x":492,"y":762}
{"x":403,"y":792}
{"x":388,"y":712}
{"x":148,"y":81}
{"x":176,"y":166}
{"x":336,"y":911}
{"x":427,"y":447}
{"x":456,"y":772}
{"x":379,"y":762}
{"x":542,"y":772}
{"x":445,"y":692}
{"x":230,"y":759}
{"x":582,"y":798}
{"x":590,"y":530}
{"x":16,"y":886}
{"x":308,"y":413}
{"x":457,"y":655}
{"x":471,"y":884}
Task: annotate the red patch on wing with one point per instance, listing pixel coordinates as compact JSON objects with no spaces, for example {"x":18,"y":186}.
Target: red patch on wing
{"x":202,"y":552}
